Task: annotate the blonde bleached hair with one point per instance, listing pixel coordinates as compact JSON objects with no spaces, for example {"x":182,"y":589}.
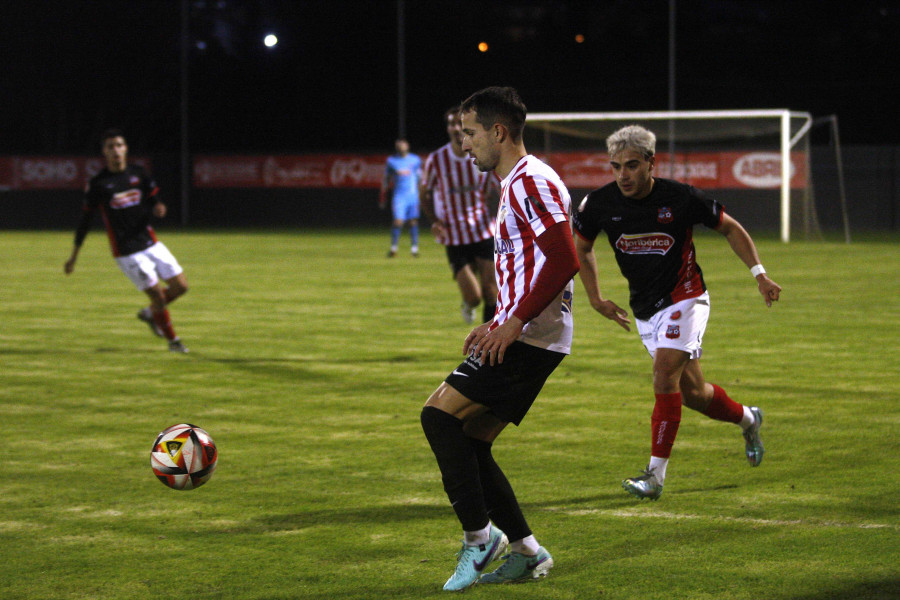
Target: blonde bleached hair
{"x":632,"y":137}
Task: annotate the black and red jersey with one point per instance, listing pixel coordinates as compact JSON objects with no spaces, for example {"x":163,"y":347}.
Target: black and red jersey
{"x":652,"y":239}
{"x":125,"y":201}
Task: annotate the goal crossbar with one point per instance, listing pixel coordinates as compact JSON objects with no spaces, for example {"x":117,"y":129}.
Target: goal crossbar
{"x":788,"y":138}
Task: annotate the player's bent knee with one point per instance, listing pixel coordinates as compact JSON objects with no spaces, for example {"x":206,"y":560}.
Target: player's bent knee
{"x":434,"y":420}
{"x":694,"y":401}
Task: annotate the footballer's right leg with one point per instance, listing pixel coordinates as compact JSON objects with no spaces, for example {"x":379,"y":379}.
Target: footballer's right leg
{"x":442,"y":422}
{"x":668,"y":364}
{"x":161,"y":317}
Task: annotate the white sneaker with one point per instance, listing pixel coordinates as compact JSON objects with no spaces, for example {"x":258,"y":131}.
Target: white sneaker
{"x":468,"y":312}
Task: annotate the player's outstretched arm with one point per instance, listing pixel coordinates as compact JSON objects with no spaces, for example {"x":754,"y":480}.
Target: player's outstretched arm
{"x":588,"y":274}
{"x":743,"y":246}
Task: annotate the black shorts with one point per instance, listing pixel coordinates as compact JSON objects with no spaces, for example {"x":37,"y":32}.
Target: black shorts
{"x":509,"y":388}
{"x":460,"y":256}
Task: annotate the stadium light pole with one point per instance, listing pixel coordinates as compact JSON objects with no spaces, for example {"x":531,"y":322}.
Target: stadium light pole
{"x":401,"y":69}
{"x":185,"y":157}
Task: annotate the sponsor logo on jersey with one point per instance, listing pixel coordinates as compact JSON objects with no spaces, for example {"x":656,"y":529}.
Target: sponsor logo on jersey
{"x":664,"y":215}
{"x":502,"y":213}
{"x":125,"y":199}
{"x":673,"y":332}
{"x":675,"y":315}
{"x":645,"y":243}
{"x":503,"y":246}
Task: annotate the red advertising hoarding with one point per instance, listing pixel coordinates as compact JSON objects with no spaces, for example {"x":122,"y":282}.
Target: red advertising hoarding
{"x":581,"y":170}
{"x":52,"y":172}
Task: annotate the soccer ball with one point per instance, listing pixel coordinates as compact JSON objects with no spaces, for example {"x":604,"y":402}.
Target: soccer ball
{"x":184,"y":456}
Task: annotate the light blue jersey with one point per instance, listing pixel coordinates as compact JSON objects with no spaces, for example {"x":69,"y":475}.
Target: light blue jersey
{"x":404,"y":173}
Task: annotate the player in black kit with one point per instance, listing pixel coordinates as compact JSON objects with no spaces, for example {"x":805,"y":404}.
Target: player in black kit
{"x":649,"y":224}
{"x":126,"y":196}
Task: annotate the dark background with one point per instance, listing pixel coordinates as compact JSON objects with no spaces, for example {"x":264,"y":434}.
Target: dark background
{"x":74,"y":67}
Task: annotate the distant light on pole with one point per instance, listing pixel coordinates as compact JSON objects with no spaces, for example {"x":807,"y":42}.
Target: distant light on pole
{"x":483,"y":47}
{"x":579,"y":39}
{"x":270,"y":40}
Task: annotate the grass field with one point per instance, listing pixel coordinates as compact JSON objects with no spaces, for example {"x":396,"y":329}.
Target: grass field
{"x":311,"y":355}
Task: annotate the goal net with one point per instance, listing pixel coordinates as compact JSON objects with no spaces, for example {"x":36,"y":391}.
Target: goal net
{"x":756,"y":162}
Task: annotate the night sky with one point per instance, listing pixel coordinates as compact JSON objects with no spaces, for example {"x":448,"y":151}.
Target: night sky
{"x":75,"y":67}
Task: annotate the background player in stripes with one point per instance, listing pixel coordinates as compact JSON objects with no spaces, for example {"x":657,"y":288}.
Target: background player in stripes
{"x":126,"y":196}
{"x":508,"y":359}
{"x":401,"y":175}
{"x":649,"y":223}
{"x":455,"y":197}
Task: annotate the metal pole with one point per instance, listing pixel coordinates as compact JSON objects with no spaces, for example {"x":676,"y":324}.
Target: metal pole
{"x":836,"y":140}
{"x":786,"y":176}
{"x":672,"y":87}
{"x":185,"y":152}
{"x":401,"y":70}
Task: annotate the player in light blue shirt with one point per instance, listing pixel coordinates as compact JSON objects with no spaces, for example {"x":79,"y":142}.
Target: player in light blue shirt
{"x":402,"y":174}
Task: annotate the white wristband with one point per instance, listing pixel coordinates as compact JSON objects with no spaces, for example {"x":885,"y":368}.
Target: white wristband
{"x":757,"y":270}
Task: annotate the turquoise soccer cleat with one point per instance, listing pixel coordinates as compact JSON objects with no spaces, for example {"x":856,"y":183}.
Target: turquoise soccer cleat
{"x":754,"y":447}
{"x":520,"y":568}
{"x":472,"y":560}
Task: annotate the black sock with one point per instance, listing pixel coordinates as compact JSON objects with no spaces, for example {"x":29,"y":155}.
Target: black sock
{"x":488,"y":311}
{"x":459,"y":466}
{"x":502,"y":506}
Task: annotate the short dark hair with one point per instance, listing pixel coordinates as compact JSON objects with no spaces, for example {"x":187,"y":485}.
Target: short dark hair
{"x":110,"y":133}
{"x":497,"y":105}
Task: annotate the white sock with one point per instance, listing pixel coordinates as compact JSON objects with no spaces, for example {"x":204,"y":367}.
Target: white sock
{"x":658,"y":466}
{"x":478,"y":537}
{"x":748,"y":419}
{"x":527,"y":546}
{"x":414,"y":249}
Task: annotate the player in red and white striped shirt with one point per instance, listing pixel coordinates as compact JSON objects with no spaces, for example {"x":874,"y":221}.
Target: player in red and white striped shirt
{"x":454,"y":196}
{"x":509,"y":358}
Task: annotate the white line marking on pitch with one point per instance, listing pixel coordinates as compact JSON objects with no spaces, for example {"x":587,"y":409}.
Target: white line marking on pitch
{"x":750,"y":520}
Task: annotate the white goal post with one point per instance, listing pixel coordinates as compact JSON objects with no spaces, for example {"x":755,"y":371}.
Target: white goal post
{"x":677,"y":129}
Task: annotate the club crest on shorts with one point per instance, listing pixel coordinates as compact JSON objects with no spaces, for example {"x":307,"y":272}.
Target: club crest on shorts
{"x":673,"y":332}
{"x":567,"y":302}
{"x":664,"y":215}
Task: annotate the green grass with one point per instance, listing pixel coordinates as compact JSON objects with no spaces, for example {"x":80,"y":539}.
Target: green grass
{"x":311,"y":355}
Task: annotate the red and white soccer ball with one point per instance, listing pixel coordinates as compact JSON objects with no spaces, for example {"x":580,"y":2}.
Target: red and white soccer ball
{"x":184,"y":456}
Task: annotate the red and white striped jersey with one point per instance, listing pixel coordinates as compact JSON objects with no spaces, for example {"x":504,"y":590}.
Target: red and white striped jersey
{"x":458,"y":189}
{"x":533,"y":198}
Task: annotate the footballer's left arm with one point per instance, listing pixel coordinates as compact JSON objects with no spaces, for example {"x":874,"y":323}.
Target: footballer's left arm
{"x":742,"y":245}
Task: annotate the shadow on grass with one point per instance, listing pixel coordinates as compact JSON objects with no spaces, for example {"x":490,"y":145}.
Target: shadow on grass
{"x":293,"y":367}
{"x":887,"y":589}
{"x":400,"y":513}
{"x":374,"y":514}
